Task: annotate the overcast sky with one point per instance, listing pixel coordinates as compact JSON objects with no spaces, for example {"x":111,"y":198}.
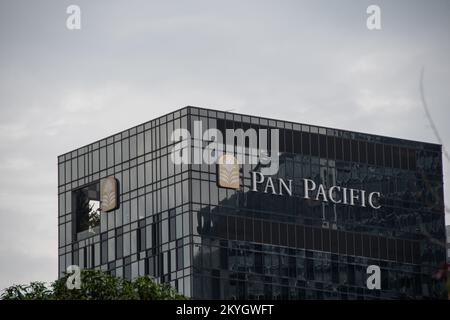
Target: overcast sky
{"x":313,"y":62}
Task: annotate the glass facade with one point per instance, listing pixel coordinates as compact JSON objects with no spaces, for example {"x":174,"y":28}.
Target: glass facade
{"x":175,"y":224}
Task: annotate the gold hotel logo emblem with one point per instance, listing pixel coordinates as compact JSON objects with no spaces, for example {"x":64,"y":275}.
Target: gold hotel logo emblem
{"x":228,"y":171}
{"x":108,"y":194}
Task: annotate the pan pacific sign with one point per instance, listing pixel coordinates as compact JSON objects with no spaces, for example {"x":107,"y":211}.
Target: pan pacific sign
{"x":313,"y":191}
{"x":228,"y":177}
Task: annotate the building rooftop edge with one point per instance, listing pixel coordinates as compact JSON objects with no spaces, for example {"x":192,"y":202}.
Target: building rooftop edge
{"x":250,"y":115}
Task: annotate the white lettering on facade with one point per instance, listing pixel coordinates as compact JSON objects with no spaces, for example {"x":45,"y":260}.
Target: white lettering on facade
{"x":318,"y":192}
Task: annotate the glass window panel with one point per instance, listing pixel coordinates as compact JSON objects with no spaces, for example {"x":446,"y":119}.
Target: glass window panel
{"x":172,"y":228}
{"x":104,"y":251}
{"x":134,"y":209}
{"x":111,"y":220}
{"x":339,"y":155}
{"x":186,"y":224}
{"x":158,"y":169}
{"x":68,"y":171}
{"x":110,"y":155}
{"x":187,"y":255}
{"x":62,"y":204}
{"x":118,"y":216}
{"x":126,"y":181}
{"x":205,"y":192}
{"x":95,"y":161}
{"x":140,"y":144}
{"x":213,"y":193}
{"x":171,"y":196}
{"x":355,"y":152}
{"x":133,"y":178}
{"x":141,"y":176}
{"x":141,"y":207}
{"x":96,"y":254}
{"x":133,"y":150}
{"x":164,"y":199}
{"x":103,"y":158}
{"x":117,"y":152}
{"x":62,"y":235}
{"x":178,"y":194}
{"x":185,"y":191}
{"x":133,"y":241}
{"x":169,"y":132}
{"x":163,"y":135}
{"x":68,"y":202}
{"x":180,"y":263}
{"x":148,"y":172}
{"x":148,"y":141}
{"x":62,"y":264}
{"x":165,"y":231}
{"x":148,"y":204}
{"x":125,"y":149}
{"x":363,"y":151}
{"x":346,"y":146}
{"x":371,"y":153}
{"x":75,"y":169}
{"x":119,"y":245}
{"x":179,"y":224}
{"x":81,"y":166}
{"x":388,"y":155}
{"x":173,"y":260}
{"x":111,"y":250}
{"x":396,"y":157}
{"x":164,"y":167}
{"x":126,"y":244}
{"x":68,"y":233}
{"x":149,"y":237}
{"x":126,"y":212}
{"x":379,"y":154}
{"x":61,"y":174}
{"x":170,"y":167}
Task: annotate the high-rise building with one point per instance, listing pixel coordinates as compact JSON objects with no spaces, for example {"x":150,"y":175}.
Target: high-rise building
{"x":323,"y":214}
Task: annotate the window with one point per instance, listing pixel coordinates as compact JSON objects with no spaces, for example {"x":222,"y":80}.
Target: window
{"x":95,"y":161}
{"x":388,"y":155}
{"x":81,"y":166}
{"x":148,"y":141}
{"x":314,"y":144}
{"x":134,"y":210}
{"x":103,"y":158}
{"x":126,"y":244}
{"x":355,"y":153}
{"x":68,"y":171}
{"x":87,"y":205}
{"x":305,"y":143}
{"x":180,"y":255}
{"x":339,"y":149}
{"x":133,"y":178}
{"x":125,"y":150}
{"x":330,"y":146}
{"x":140,"y":144}
{"x":117,"y":153}
{"x":133,"y":147}
{"x":172,"y":225}
{"x":110,"y":156}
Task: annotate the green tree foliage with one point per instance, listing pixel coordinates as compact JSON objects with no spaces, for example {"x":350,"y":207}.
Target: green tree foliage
{"x":95,"y":285}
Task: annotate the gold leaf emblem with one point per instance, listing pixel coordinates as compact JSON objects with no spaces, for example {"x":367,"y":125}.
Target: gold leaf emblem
{"x":108,"y":194}
{"x":228,"y":171}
